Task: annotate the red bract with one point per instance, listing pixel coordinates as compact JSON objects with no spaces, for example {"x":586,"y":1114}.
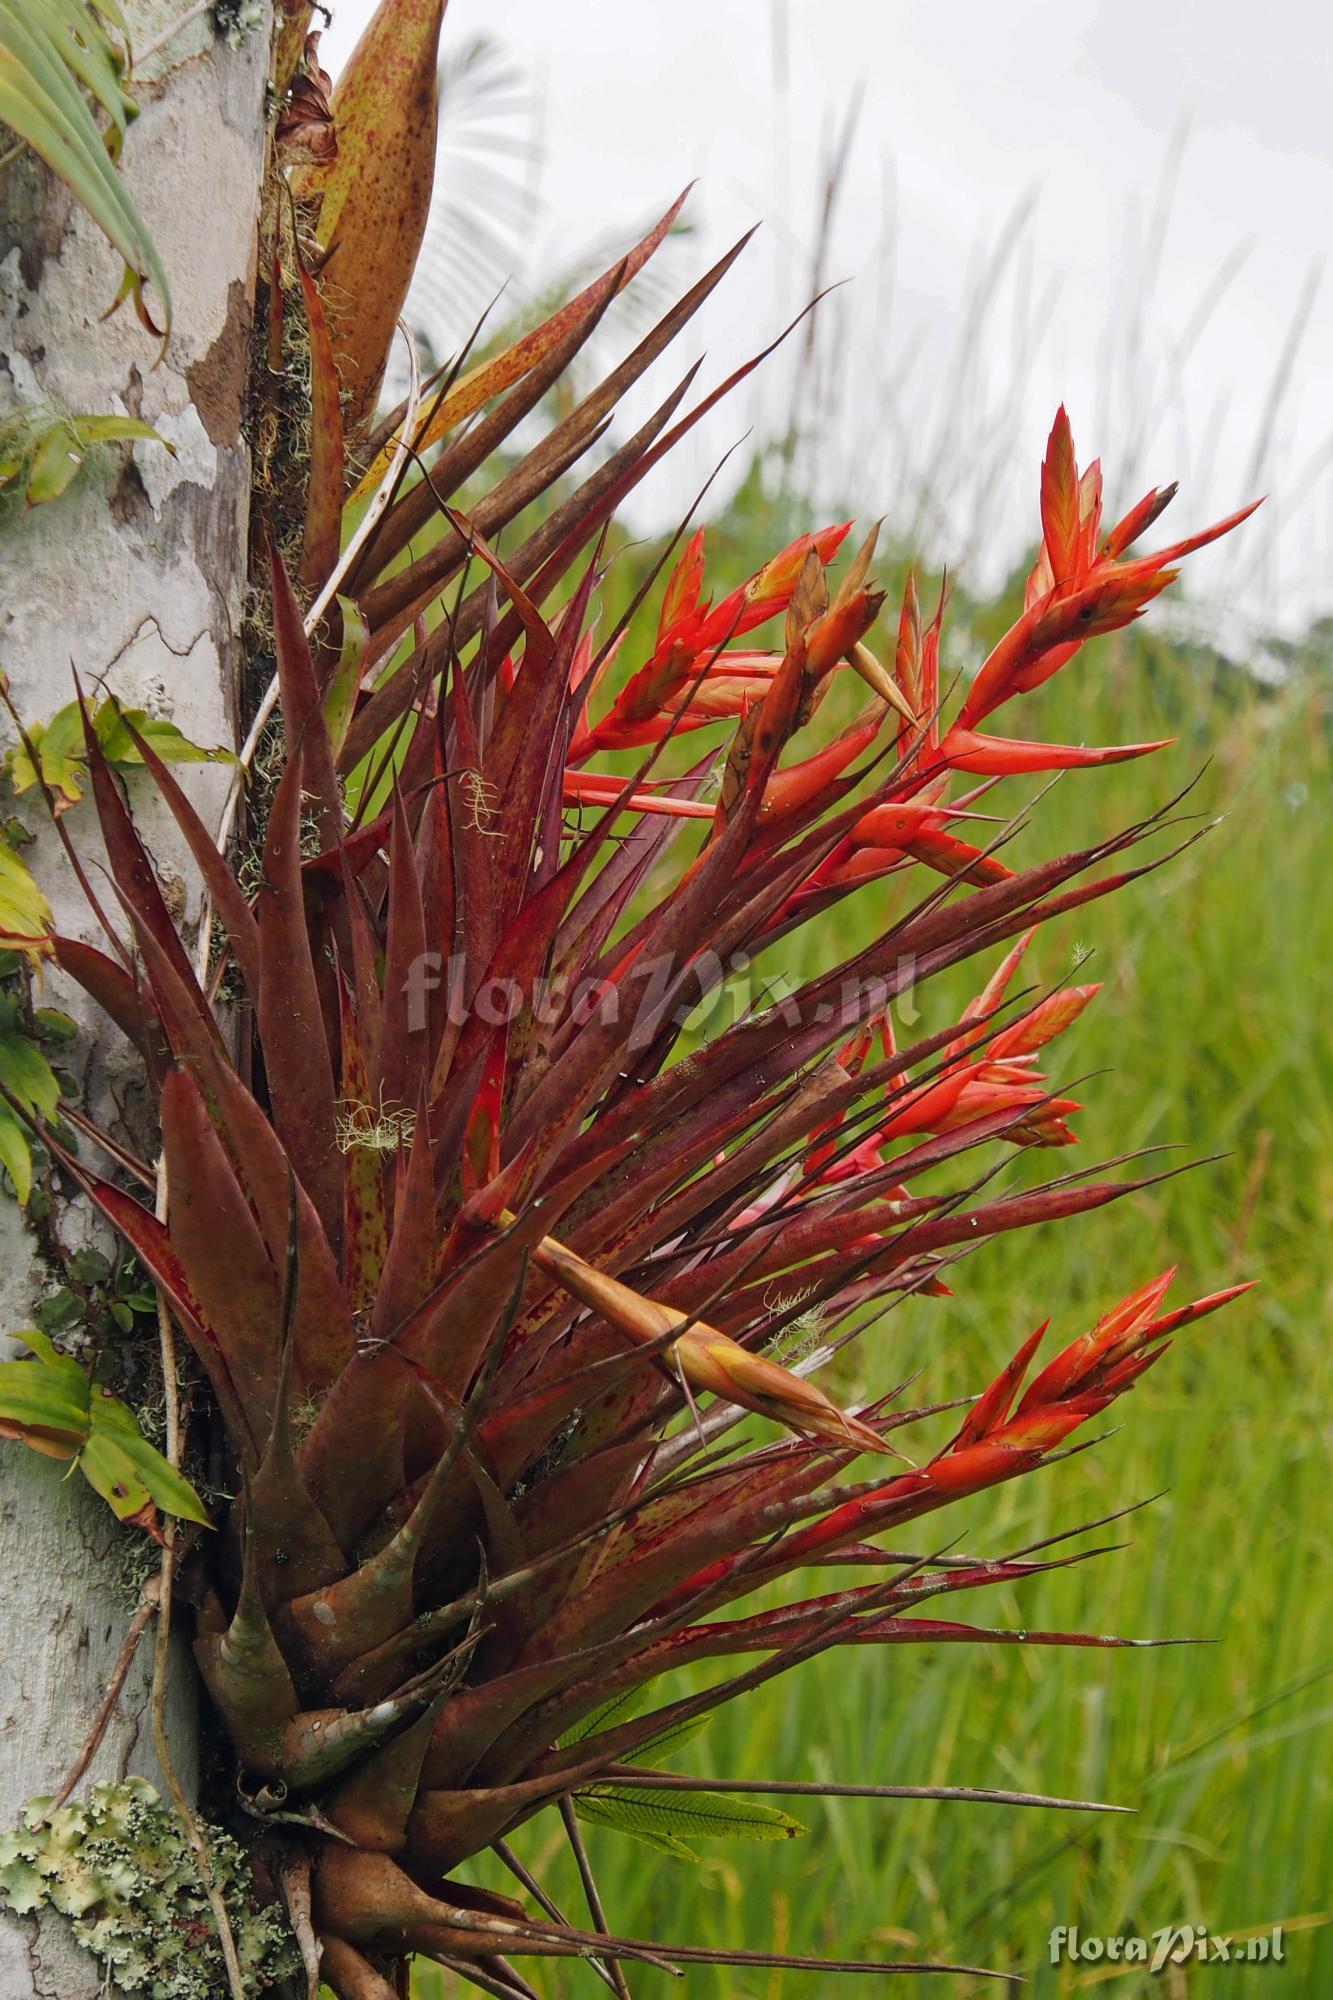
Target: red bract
{"x":1080,"y":585}
{"x":477,"y":1258}
{"x":696,"y":675}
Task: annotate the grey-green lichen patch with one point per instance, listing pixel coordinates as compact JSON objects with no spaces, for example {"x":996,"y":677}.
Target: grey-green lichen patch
{"x":120,"y":1867}
{"x":238,"y":20}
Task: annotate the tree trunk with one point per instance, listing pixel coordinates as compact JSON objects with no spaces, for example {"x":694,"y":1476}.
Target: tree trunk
{"x":135,"y":576}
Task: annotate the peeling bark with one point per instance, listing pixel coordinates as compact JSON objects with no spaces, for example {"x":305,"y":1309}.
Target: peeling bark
{"x":136,"y":577}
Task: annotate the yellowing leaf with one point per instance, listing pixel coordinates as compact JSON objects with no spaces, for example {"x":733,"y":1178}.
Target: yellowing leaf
{"x":376,"y":192}
{"x":25,"y":914}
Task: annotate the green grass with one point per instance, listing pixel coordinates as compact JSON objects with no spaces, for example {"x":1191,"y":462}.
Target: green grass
{"x":1214,"y":1035}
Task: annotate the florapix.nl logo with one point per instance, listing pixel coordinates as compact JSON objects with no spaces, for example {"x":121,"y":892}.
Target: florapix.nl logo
{"x":1170,"y":1944}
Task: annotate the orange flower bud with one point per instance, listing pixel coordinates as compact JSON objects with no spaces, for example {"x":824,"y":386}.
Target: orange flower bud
{"x":706,"y":1358}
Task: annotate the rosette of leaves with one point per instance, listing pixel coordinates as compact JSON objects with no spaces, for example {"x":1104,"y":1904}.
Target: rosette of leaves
{"x":486,"y":1265}
{"x":462,"y":1286}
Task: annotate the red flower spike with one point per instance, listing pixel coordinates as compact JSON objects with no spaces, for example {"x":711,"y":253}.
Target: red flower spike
{"x":1172,"y":1322}
{"x":803,"y":787}
{"x":992,"y":1407}
{"x":1049,"y":1018}
{"x":1062,"y":541}
{"x":1007,"y":756}
{"x":770,"y":589}
{"x":992,"y":993}
{"x":692,"y":649}
{"x":948,"y":855}
{"x":591,"y":788}
{"x":1075,"y":590}
{"x":683,"y":592}
{"x":907,"y":656}
{"x":1114,"y":1335}
{"x":1138,"y":520}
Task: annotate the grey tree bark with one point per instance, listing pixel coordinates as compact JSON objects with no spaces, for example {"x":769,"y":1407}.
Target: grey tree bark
{"x":136,"y":576}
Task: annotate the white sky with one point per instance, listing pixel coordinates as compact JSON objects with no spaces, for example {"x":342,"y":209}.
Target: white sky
{"x":1084,"y":110}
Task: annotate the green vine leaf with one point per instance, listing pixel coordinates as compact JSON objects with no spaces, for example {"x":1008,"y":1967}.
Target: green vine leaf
{"x":25,"y":914}
{"x":620,"y":1708}
{"x":623,"y":1708}
{"x":30,"y":1079}
{"x":42,"y":450}
{"x":61,"y":754}
{"x":171,"y":745}
{"x":51,"y":1405}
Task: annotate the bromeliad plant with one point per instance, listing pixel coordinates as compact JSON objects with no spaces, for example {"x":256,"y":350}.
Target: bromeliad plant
{"x":487,"y":1264}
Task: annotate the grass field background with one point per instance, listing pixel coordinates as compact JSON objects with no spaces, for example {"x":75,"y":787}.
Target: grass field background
{"x":1212,"y":1036}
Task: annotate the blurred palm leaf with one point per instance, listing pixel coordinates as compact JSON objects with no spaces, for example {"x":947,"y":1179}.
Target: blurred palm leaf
{"x":480,"y":228}
{"x":51,"y":52}
{"x":483,"y":221}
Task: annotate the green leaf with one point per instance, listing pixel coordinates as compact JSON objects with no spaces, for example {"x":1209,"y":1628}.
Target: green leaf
{"x":45,"y":1404}
{"x":62,"y":752}
{"x":620,"y":1708}
{"x":669,"y":1820}
{"x":15,"y":1154}
{"x":25,"y":914}
{"x":60,"y":755}
{"x":52,"y":1026}
{"x":42,"y":448}
{"x":171,"y":745}
{"x":63,"y":1309}
{"x":664,"y":1819}
{"x":340,"y":698}
{"x":54,"y":463}
{"x":25,"y":1072}
{"x":48,"y":48}
{"x":51,"y":1405}
{"x":671,"y":1738}
{"x":623,"y":1708}
{"x":590,"y":1809}
{"x":117,"y":1443}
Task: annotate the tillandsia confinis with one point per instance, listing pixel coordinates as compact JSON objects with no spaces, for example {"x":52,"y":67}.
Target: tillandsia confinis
{"x":487,"y":1264}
